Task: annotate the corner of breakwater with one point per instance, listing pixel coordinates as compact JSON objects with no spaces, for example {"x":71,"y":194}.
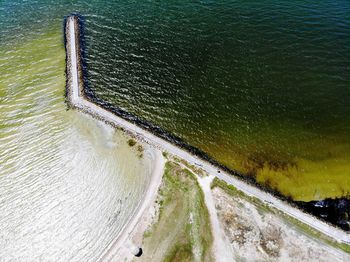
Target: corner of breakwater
{"x":147,"y":127}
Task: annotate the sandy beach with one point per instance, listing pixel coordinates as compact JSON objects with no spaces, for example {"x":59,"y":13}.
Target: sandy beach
{"x":144,"y":204}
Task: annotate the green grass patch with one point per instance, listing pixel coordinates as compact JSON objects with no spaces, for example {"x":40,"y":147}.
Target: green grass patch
{"x":165,"y":154}
{"x":131,"y":142}
{"x":182,"y":231}
{"x":180,"y":253}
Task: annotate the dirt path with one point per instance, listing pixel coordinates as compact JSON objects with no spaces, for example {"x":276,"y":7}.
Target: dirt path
{"x":222,"y":248}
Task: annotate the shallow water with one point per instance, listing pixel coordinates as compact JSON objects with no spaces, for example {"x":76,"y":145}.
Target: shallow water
{"x":68,"y":183}
{"x":262,"y":87}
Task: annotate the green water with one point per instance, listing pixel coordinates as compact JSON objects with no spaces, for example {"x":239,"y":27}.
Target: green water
{"x":68,"y":183}
{"x":261,"y":86}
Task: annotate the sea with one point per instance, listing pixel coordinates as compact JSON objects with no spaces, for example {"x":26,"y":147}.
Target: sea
{"x":261,"y":87}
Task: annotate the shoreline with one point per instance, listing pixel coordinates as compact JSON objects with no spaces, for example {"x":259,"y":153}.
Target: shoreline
{"x":151,"y":190}
{"x":144,"y":203}
{"x":76,"y":99}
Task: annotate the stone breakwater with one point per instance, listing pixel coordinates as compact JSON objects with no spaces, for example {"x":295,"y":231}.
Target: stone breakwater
{"x":336,"y":218}
{"x":76,"y":99}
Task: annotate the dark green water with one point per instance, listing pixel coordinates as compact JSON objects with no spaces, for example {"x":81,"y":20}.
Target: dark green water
{"x":261,"y":86}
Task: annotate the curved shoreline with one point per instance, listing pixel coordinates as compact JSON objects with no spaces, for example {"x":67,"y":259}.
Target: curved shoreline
{"x":76,"y":99}
{"x":144,"y":203}
{"x":74,"y":82}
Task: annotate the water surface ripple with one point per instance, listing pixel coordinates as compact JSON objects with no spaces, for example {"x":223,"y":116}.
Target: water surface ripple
{"x":261,"y":86}
{"x":68,"y":183}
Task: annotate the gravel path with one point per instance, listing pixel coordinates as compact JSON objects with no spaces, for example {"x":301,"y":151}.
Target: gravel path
{"x":222,"y":248}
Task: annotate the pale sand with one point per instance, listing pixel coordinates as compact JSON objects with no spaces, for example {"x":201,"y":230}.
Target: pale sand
{"x":256,"y":234}
{"x":124,"y":240}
